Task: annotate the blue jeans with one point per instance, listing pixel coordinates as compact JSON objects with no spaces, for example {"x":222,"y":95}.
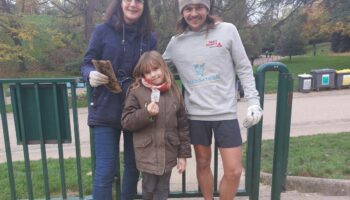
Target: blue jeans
{"x":107,"y":154}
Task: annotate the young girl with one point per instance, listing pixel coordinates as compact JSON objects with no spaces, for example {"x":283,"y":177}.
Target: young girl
{"x":155,"y":113}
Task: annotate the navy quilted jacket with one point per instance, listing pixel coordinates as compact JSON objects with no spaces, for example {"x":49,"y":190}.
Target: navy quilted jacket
{"x":106,"y":44}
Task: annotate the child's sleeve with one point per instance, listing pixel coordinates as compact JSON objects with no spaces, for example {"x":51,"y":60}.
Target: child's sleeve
{"x":134,"y":116}
{"x":184,"y":134}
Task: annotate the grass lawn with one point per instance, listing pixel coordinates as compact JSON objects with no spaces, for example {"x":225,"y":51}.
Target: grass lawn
{"x":323,"y":155}
{"x":38,"y":179}
{"x":321,"y":49}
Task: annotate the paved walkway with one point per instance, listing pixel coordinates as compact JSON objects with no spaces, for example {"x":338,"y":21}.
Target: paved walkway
{"x":263,"y":59}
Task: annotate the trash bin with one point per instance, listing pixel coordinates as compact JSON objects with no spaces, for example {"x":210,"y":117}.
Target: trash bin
{"x":305,"y":83}
{"x":323,"y":79}
{"x":342,"y":78}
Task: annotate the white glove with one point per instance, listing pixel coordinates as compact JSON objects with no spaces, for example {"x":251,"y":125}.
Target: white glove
{"x":96,"y":78}
{"x":254,"y":114}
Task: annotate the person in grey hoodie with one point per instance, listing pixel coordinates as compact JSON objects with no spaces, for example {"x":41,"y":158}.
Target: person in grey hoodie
{"x":208,"y":54}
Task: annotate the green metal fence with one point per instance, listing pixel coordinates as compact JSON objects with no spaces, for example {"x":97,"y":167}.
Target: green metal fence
{"x":40,"y":109}
{"x":41,"y":115}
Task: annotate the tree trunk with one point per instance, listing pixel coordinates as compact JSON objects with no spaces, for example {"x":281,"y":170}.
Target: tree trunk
{"x":22,"y":61}
{"x":88,"y":18}
{"x":6,"y":6}
{"x":22,"y":64}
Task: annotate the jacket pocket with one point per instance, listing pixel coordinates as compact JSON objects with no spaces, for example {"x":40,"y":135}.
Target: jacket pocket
{"x":142,"y":142}
{"x":144,"y":151}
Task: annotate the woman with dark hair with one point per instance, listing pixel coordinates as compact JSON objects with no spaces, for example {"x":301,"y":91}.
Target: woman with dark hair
{"x":122,"y":39}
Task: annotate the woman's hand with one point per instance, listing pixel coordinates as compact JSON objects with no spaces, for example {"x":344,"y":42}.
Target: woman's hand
{"x":96,"y":79}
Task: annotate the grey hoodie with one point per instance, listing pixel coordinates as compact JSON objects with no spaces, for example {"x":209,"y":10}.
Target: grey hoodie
{"x":208,"y":64}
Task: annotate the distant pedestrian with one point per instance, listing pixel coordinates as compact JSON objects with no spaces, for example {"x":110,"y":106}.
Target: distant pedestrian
{"x":266,"y":53}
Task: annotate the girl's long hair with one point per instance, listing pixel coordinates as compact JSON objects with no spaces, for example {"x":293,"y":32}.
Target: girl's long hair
{"x":145,"y":24}
{"x":149,"y":60}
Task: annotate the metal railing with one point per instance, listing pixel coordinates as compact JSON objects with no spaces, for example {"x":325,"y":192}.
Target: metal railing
{"x":55,"y":90}
{"x":24,"y":90}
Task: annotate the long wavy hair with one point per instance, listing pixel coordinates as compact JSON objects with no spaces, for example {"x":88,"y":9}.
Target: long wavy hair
{"x":148,"y":61}
{"x":145,"y":24}
{"x":182,"y":26}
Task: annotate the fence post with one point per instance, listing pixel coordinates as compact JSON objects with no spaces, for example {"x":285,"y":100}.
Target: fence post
{"x":282,"y":127}
{"x":7,"y":143}
{"x":282,"y":134}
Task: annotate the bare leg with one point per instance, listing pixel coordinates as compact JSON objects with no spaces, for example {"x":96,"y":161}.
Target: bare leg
{"x":204,"y":174}
{"x":231,"y":159}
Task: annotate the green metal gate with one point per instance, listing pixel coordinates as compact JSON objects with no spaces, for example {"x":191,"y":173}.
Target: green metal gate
{"x":42,"y":117}
{"x":282,"y":132}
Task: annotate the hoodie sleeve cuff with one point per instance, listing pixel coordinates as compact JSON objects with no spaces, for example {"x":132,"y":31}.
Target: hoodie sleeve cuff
{"x":253,"y":102}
